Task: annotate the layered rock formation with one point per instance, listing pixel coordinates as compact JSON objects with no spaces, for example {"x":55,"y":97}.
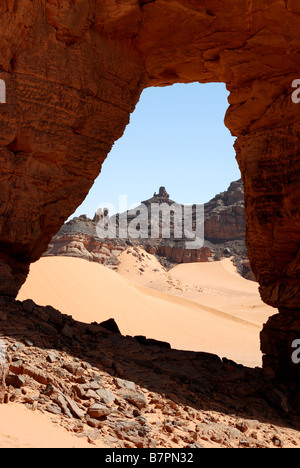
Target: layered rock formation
{"x":74,"y":72}
{"x":224,"y":234}
{"x":225,"y":215}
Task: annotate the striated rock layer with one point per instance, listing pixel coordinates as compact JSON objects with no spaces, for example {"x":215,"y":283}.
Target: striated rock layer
{"x":74,"y":72}
{"x":225,"y":215}
{"x":224,"y":234}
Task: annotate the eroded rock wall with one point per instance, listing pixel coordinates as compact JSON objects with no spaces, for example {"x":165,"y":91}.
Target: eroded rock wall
{"x":70,"y":91}
{"x":224,"y":234}
{"x":74,"y":71}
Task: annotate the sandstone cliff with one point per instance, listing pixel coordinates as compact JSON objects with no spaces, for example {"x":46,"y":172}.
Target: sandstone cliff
{"x":225,"y":215}
{"x":224,"y":235}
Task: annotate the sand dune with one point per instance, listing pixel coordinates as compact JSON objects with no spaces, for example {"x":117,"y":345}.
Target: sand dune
{"x":214,"y":284}
{"x":193,"y":317}
{"x":223,"y":288}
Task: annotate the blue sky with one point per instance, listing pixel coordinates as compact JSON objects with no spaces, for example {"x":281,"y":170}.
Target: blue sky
{"x":176,"y":138}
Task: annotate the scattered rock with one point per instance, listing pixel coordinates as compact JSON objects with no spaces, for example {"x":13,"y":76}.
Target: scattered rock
{"x":94,"y":422}
{"x":73,"y":368}
{"x":134,"y":397}
{"x":98,"y":411}
{"x":277,"y":442}
{"x":246,"y":425}
{"x":52,"y":358}
{"x":67,"y":405}
{"x":17,"y":381}
{"x":53,"y":408}
{"x":106,"y":396}
{"x":120,"y":383}
{"x":28,"y":343}
{"x":91,"y":394}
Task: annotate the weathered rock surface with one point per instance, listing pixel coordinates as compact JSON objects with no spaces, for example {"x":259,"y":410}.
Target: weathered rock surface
{"x":224,"y":233}
{"x":74,"y":72}
{"x":225,"y":215}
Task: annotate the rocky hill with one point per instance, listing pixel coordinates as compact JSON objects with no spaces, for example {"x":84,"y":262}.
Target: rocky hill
{"x":224,"y":234}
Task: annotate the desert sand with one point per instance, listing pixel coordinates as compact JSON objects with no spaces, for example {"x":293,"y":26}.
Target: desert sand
{"x":199,"y":307}
{"x":23,"y":428}
{"x":196,"y":307}
{"x":214,"y":284}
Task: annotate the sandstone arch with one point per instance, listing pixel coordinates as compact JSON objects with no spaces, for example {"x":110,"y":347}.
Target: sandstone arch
{"x":74,"y":71}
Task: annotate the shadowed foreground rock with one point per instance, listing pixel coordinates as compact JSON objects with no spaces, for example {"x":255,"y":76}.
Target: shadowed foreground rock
{"x":74,"y":72}
{"x":116,"y":390}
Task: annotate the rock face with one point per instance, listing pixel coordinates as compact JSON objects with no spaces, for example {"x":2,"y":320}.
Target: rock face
{"x":78,"y":238}
{"x":224,"y":232}
{"x":74,"y":72}
{"x":225,"y":215}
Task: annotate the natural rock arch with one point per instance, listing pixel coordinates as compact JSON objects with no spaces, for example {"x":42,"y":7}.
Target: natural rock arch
{"x":74,"y":71}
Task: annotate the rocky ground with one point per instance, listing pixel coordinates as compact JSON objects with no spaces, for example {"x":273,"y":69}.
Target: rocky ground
{"x":115,"y":390}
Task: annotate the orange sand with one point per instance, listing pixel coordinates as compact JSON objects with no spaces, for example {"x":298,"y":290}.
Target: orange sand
{"x":199,"y":307}
{"x":23,"y":428}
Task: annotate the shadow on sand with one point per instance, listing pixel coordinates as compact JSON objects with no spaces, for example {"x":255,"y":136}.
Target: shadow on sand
{"x":199,"y":380}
